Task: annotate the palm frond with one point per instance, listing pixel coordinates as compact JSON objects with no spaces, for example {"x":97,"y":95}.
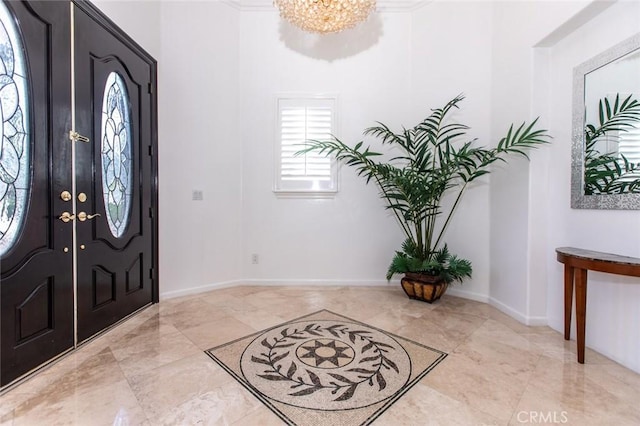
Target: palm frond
{"x":611,"y":173}
{"x":432,"y":161}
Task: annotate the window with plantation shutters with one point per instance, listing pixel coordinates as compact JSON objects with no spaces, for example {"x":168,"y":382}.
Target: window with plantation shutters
{"x":300,"y":120}
{"x":629,"y":147}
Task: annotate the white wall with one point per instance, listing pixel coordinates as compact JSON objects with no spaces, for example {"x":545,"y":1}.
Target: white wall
{"x":221,"y":68}
{"x":516,"y":280}
{"x":446,"y":63}
{"x":613,"y":317}
{"x":350,"y":238}
{"x":139,"y":19}
{"x":196,"y":45}
{"x":199,"y":146}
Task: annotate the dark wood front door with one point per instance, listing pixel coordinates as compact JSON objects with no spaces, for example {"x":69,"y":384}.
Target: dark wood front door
{"x":78,"y":219}
{"x":36,"y":290}
{"x":114,"y":109}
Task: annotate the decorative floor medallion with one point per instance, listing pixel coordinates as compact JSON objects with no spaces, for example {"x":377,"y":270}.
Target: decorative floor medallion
{"x":326,"y":369}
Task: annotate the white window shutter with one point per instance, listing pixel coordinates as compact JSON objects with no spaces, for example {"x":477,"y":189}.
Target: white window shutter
{"x":301,"y":120}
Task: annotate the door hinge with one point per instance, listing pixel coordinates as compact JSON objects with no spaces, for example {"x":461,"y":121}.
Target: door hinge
{"x":151,"y":150}
{"x":151,"y":273}
{"x":77,"y":137}
{"x":151,"y":212}
{"x":150,"y":88}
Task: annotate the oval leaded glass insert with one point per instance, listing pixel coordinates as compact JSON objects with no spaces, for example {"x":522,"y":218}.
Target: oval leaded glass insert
{"x":116,"y":154}
{"x":14,"y":132}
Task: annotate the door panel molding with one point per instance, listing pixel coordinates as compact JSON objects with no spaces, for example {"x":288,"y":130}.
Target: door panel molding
{"x":38,"y":301}
{"x":99,"y":52}
{"x":37,"y":271}
{"x":35,"y":313}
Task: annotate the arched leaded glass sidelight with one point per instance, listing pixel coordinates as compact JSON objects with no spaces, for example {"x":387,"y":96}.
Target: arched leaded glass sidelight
{"x":116,"y":154}
{"x":14,"y":132}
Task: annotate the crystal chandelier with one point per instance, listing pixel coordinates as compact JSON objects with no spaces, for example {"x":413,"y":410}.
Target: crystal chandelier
{"x":325,"y":16}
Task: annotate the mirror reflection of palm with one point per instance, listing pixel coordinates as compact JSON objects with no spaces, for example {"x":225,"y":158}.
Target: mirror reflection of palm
{"x":610,"y":170}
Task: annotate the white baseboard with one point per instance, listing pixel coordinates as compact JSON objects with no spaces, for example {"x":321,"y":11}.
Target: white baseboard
{"x":199,"y":289}
{"x":537,"y":321}
{"x":525,"y":319}
{"x":274,"y":283}
{"x":320,"y":282}
{"x":478,"y":297}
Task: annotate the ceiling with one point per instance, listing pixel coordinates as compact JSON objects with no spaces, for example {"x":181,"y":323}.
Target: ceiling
{"x":383,"y":5}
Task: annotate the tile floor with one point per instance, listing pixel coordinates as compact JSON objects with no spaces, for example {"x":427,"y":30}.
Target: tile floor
{"x":151,"y":370}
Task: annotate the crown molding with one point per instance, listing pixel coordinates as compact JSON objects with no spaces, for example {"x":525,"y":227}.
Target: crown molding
{"x":382,"y":6}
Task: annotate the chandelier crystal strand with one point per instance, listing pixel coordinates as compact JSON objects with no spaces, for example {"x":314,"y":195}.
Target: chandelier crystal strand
{"x":325,"y":16}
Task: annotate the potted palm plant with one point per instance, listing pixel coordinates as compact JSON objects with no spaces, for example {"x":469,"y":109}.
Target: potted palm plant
{"x":430,"y":163}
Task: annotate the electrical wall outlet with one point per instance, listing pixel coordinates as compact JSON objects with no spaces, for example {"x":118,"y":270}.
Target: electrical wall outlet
{"x":197,"y":195}
{"x":255,"y":259}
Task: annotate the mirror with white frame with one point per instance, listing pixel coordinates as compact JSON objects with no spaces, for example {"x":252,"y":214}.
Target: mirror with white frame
{"x":605,"y":164}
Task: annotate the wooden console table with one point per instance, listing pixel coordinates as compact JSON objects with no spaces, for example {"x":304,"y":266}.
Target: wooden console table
{"x":576,"y":264}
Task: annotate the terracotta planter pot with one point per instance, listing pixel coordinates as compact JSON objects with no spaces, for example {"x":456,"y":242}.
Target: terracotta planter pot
{"x":427,"y":288}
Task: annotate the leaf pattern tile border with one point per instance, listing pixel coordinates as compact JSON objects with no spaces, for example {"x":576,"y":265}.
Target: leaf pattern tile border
{"x":326,"y":369}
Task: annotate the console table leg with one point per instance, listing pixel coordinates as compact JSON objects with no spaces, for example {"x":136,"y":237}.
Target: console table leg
{"x":581,"y":310}
{"x":568,"y":300}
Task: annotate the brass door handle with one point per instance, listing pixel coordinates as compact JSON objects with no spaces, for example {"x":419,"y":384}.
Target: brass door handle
{"x":66,"y":217}
{"x":82,"y":216}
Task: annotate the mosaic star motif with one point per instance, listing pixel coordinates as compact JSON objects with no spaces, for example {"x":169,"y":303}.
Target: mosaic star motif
{"x":321,"y":351}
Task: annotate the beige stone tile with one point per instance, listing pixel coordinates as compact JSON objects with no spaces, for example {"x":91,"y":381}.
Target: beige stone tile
{"x":554,"y":346}
{"x":496,"y":370}
{"x":122,"y":328}
{"x":223,"y":405}
{"x":253,"y":316}
{"x":423,"y":405}
{"x":181,"y":299}
{"x":488,"y":372}
{"x":459,"y":305}
{"x":190,"y":313}
{"x":281,"y":306}
{"x":244,"y":291}
{"x":221,"y":300}
{"x":166,"y":391}
{"x":390,"y":319}
{"x":437,"y":329}
{"x":617,"y":380}
{"x":76,"y":374}
{"x":145,"y":331}
{"x":6,"y":419}
{"x":355,"y":309}
{"x":261,"y":416}
{"x":210,"y":334}
{"x":496,"y":335}
{"x":10,"y":400}
{"x":31,"y":388}
{"x":363,"y":304}
{"x":387,"y":298}
{"x":112,"y":404}
{"x":580,"y":394}
{"x":150,"y":351}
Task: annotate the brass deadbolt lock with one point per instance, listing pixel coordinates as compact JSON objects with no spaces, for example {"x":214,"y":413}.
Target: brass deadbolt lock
{"x":67,"y":217}
{"x":82,"y":197}
{"x":65,"y":196}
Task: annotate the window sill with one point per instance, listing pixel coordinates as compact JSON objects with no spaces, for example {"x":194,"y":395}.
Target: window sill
{"x":279,"y":193}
